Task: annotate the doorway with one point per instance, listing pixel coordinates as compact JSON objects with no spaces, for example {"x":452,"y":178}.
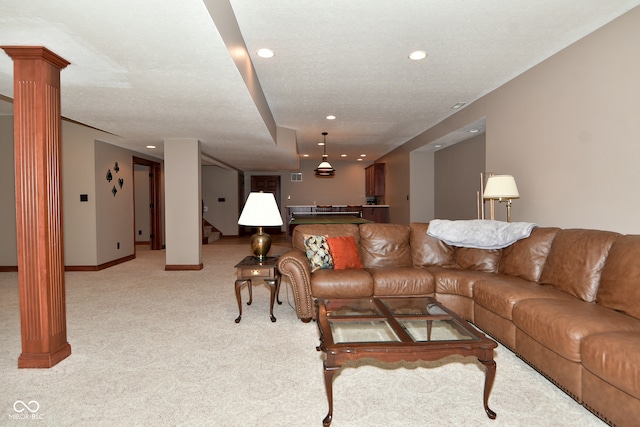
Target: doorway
{"x":155,"y":224}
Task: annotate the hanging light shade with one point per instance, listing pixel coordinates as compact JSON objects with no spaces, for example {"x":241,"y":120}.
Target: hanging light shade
{"x":325,"y":168}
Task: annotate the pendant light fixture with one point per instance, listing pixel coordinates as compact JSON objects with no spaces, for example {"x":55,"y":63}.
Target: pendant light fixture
{"x":325,"y":168}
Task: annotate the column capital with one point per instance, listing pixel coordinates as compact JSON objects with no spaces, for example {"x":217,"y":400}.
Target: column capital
{"x":35,"y":52}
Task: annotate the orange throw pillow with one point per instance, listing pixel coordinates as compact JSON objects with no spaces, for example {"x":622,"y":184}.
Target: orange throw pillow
{"x":344,"y":252}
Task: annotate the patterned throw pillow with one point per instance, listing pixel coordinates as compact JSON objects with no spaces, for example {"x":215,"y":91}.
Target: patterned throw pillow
{"x":317,"y":252}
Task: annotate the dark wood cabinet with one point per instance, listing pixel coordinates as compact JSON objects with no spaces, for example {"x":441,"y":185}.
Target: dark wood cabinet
{"x":376,"y":213}
{"x":374,"y":180}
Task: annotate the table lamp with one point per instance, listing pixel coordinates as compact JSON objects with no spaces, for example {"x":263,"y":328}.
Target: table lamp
{"x":502,"y":187}
{"x":260,"y":210}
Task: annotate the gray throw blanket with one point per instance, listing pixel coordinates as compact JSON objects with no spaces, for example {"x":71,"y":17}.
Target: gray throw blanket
{"x":479,"y":233}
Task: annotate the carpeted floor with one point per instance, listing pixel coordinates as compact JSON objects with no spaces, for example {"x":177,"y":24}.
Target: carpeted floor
{"x":157,"y":348}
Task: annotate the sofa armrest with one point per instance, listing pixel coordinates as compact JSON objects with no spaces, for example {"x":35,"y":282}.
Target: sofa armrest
{"x":294,"y":268}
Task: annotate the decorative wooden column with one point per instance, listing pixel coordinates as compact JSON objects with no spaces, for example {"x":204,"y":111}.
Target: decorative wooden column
{"x":37,"y":138}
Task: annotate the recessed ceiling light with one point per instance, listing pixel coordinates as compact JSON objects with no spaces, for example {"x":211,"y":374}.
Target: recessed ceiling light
{"x":265,"y":53}
{"x":363,"y":155}
{"x":473,"y":130}
{"x":359,"y":160}
{"x":438,"y":145}
{"x":458,"y":105}
{"x":151,"y":146}
{"x":321,"y":143}
{"x":417,"y":55}
{"x":331,"y":117}
{"x":343,"y":155}
{"x":305,"y":155}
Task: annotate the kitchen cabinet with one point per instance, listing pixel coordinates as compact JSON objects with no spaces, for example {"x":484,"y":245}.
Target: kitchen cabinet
{"x":374,"y":180}
{"x":376,"y":213}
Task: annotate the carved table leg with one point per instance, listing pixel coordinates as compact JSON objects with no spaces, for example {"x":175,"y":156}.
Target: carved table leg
{"x":278,"y":290}
{"x":329,"y":372}
{"x":273,"y":286}
{"x":239,"y":283}
{"x":488,"y":383}
{"x":250,"y":292}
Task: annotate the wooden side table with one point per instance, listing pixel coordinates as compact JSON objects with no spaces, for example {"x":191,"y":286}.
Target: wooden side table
{"x":251,"y":268}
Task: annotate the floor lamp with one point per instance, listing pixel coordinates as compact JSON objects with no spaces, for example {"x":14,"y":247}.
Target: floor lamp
{"x":501,"y":188}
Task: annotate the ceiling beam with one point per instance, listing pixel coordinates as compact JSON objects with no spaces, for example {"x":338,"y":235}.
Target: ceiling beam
{"x":225,"y":20}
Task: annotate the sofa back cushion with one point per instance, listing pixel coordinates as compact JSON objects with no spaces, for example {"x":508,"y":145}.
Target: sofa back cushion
{"x":620,"y":281}
{"x":526,"y":257}
{"x":329,"y":230}
{"x":576,"y":260}
{"x":385,"y":245}
{"x":477,"y":259}
{"x":428,"y":251}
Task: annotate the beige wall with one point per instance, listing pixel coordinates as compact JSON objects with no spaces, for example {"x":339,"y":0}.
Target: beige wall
{"x":183,"y":201}
{"x":566,"y":129}
{"x":457,"y":179}
{"x":114,"y":214}
{"x":345,"y":188}
{"x":141,"y":203}
{"x":92,"y":229}
{"x":398,"y":188}
{"x":78,"y":177}
{"x":421,"y":194}
{"x":220,"y":183}
{"x":8,"y":231}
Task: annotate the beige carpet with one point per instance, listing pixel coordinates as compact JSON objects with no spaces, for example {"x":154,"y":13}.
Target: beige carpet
{"x":157,"y":348}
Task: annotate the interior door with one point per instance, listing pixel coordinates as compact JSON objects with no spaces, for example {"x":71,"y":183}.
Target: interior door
{"x":268,"y":184}
{"x":154,"y":199}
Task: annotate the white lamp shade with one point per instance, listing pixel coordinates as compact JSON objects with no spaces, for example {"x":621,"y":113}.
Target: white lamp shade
{"x":501,"y":187}
{"x":325,"y":165}
{"x":261,"y":210}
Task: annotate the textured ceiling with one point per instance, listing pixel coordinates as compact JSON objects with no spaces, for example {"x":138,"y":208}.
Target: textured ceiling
{"x":148,"y":70}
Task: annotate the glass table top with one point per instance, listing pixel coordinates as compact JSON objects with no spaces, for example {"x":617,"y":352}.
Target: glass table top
{"x":394,"y":320}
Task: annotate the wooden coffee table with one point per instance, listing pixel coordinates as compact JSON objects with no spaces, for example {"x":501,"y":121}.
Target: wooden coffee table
{"x":396,"y":329}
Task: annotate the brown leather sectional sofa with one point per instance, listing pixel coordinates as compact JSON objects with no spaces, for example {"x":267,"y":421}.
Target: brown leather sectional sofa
{"x":567,"y":301}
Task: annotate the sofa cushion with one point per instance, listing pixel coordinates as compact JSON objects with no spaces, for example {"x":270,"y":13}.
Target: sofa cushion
{"x":329,"y":230}
{"x":344,"y":252}
{"x":615,"y":358}
{"x":619,"y":286}
{"x":457,"y":282}
{"x":402,"y":281}
{"x":500,"y":293}
{"x":576,"y":260}
{"x":428,"y":251}
{"x":526,"y":257}
{"x":385,"y":245}
{"x":341,"y":284}
{"x":477,"y":259}
{"x":561,"y":325}
{"x":317,"y":251}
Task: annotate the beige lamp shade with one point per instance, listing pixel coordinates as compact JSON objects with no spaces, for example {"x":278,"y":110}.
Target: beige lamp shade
{"x":501,"y":187}
{"x":261,"y":210}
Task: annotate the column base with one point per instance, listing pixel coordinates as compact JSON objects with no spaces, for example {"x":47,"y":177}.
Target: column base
{"x":44,"y":360}
{"x":183,"y":267}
